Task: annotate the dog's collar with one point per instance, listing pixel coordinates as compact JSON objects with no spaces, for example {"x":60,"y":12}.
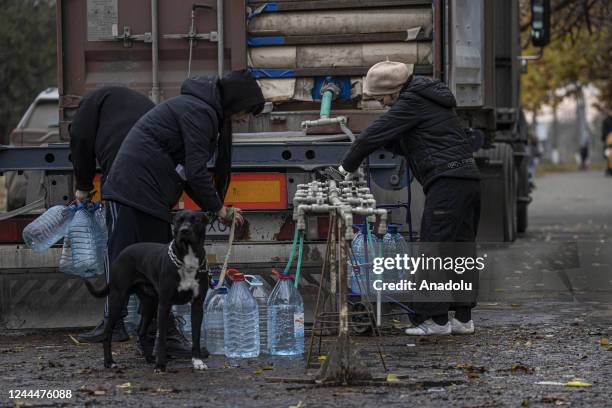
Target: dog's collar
{"x":177,"y":262}
{"x":173,"y":258}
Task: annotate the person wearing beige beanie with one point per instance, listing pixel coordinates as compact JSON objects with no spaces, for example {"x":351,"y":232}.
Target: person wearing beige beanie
{"x":421,"y":124}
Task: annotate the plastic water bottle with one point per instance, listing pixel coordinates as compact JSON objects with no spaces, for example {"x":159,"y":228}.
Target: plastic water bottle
{"x":365,"y":268}
{"x":260,"y":291}
{"x":394,"y":244}
{"x":49,"y":227}
{"x":351,"y":276}
{"x":182,"y":313}
{"x":65,"y":262}
{"x":213,"y":322}
{"x":241,"y":319}
{"x":132,"y":320}
{"x":285,"y":318}
{"x":83,"y":242}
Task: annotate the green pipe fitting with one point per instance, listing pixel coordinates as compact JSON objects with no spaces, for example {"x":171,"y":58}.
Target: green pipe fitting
{"x":326,"y":101}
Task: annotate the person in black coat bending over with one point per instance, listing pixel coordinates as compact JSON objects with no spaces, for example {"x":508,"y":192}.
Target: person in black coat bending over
{"x":422,"y":125}
{"x":100,"y":124}
{"x":167,"y":153}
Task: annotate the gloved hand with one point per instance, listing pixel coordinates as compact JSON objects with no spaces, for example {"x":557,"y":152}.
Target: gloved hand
{"x":226,"y":214}
{"x":356,"y":175}
{"x":81,"y":195}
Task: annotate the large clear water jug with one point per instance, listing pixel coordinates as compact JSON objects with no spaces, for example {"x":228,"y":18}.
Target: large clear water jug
{"x":84,"y":243}
{"x":49,"y":227}
{"x":241,"y":319}
{"x":213,"y":322}
{"x":363,"y":260}
{"x":394,"y":244}
{"x":285,"y":318}
{"x":261,"y":292}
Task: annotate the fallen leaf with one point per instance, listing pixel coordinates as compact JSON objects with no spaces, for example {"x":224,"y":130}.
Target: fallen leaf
{"x":268,"y":368}
{"x":604,"y":342}
{"x":258,"y":371}
{"x":577,"y":383}
{"x":549,"y":383}
{"x":300,"y":404}
{"x":521,"y":367}
{"x":392,"y":378}
{"x":74,"y":340}
{"x":161,"y":390}
{"x":525,"y":403}
{"x":124,"y":385}
{"x":472,"y":374}
{"x":322,"y":358}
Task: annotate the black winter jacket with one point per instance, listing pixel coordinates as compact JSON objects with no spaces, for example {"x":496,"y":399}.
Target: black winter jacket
{"x":167,"y":153}
{"x":422,"y":126}
{"x":101,"y":123}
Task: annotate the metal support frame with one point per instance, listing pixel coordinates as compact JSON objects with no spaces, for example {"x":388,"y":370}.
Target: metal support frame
{"x":306,"y":156}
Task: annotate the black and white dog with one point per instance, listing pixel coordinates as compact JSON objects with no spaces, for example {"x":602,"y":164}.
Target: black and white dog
{"x":161,"y":275}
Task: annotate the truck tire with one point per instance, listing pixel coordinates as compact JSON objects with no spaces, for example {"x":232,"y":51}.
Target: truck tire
{"x":502,"y":155}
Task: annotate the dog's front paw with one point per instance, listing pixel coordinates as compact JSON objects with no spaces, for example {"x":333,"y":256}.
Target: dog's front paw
{"x":159,"y":369}
{"x":198,"y":364}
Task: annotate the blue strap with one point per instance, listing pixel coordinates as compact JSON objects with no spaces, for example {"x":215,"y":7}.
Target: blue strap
{"x":265,"y":8}
{"x":272,"y":73}
{"x":260,"y":41}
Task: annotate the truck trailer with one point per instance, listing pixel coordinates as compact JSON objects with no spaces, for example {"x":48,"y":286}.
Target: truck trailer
{"x":310,"y":58}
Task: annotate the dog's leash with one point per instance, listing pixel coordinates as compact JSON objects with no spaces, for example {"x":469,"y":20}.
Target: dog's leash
{"x":227,"y":255}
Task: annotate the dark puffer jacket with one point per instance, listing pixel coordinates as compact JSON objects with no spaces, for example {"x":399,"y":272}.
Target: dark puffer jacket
{"x":103,"y":120}
{"x":180,"y":132}
{"x":422,"y":126}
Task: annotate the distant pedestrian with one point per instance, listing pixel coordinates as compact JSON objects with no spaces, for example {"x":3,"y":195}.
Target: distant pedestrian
{"x":606,"y":138}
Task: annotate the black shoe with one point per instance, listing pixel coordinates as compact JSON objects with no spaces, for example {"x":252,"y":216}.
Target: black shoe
{"x":97,"y":334}
{"x":177,"y":345}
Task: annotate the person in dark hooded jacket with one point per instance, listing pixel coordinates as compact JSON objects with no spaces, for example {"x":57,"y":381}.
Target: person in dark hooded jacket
{"x":422,"y":125}
{"x":99,"y":126}
{"x":166,"y":153}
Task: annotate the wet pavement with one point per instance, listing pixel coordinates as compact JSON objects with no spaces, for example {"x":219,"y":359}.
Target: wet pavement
{"x":540,"y":330}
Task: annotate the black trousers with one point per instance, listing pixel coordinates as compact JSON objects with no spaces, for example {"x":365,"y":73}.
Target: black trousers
{"x":127,"y":226}
{"x":451,"y":214}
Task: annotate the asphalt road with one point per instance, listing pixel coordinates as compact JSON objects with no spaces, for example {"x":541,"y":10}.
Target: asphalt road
{"x":540,"y":326}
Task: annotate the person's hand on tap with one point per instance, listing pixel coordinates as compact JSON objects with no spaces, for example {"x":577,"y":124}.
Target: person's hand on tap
{"x":355,"y":175}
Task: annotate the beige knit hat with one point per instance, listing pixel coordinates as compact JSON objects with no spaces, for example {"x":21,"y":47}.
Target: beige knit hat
{"x":386,"y":77}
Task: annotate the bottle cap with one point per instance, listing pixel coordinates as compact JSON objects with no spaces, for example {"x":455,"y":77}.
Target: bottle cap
{"x":282,"y":276}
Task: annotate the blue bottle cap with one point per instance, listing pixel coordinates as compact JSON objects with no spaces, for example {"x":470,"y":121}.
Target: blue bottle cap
{"x":393,"y":228}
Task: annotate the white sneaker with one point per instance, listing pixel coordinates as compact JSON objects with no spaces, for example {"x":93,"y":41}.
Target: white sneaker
{"x":429,"y":327}
{"x":458,"y":327}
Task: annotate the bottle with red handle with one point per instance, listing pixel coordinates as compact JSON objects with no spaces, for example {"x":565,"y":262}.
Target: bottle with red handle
{"x":240,"y":319}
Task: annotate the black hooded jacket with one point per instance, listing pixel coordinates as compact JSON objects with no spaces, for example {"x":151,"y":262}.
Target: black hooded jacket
{"x":422,"y":126}
{"x":167,"y":153}
{"x":104,"y":118}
